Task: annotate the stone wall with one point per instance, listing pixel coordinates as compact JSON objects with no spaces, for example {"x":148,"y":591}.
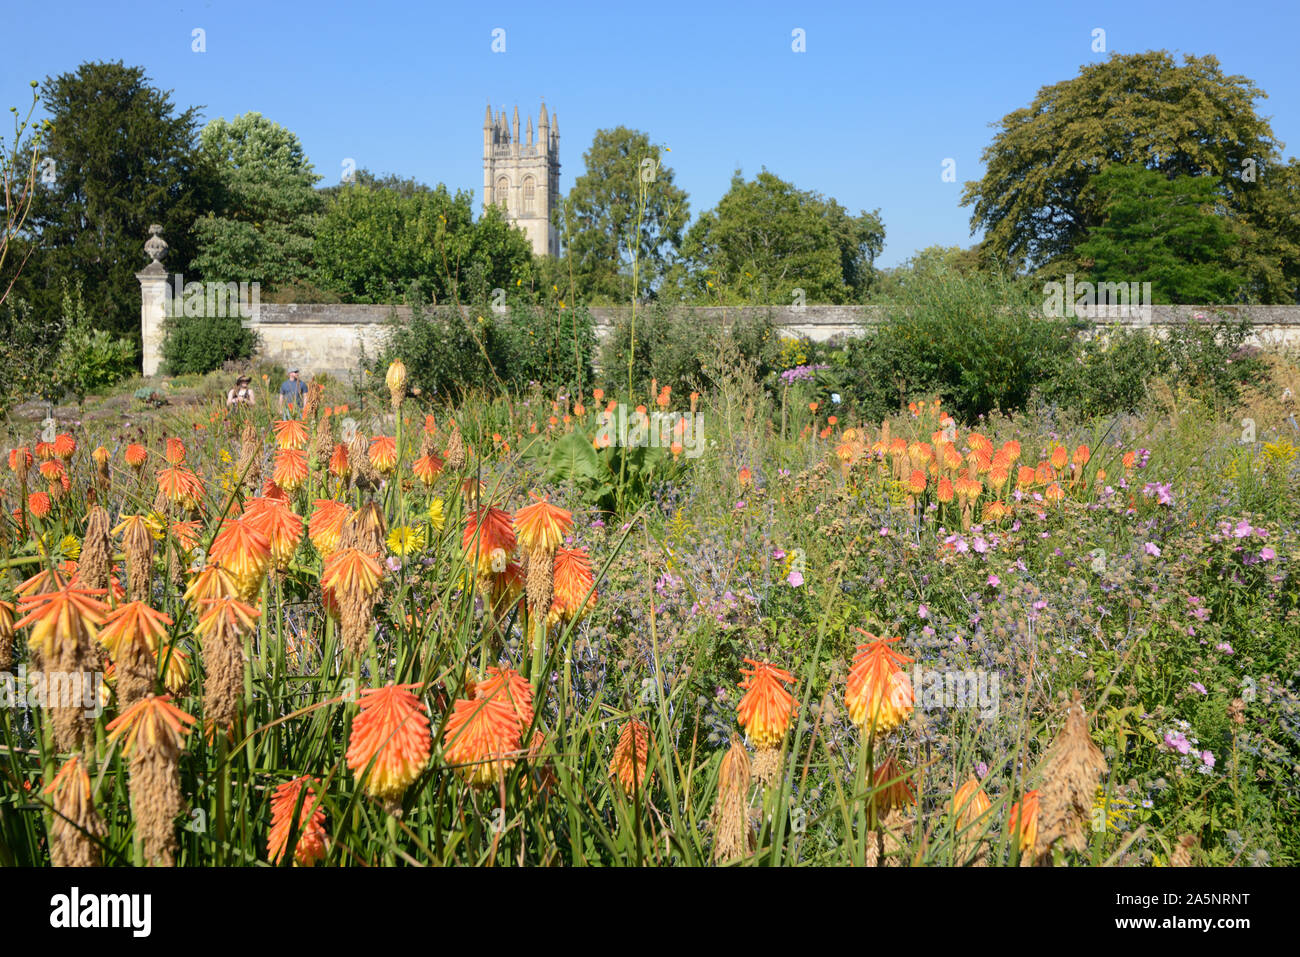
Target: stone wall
{"x":331,"y":337}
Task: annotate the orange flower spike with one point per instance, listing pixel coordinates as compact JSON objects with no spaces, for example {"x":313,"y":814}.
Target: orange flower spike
{"x":352,"y":570}
{"x":339,"y":461}
{"x":20,"y":459}
{"x":1027,"y":828}
{"x":64,"y":446}
{"x":212,"y":582}
{"x":134,"y":623}
{"x":542,"y":526}
{"x":310,"y":823}
{"x":879,"y":693}
{"x":281,"y":526}
{"x":390,"y":741}
{"x":970,"y":803}
{"x":57,"y":615}
{"x":243,"y":551}
{"x":573,"y":580}
{"x":150,"y":719}
{"x":136,"y":456}
{"x":511,"y":687}
{"x":480,"y":737}
{"x":290,"y":433}
{"x":225,"y":617}
{"x":916,"y":482}
{"x":767,"y":707}
{"x":631,"y":755}
{"x":325,"y":527}
{"x":1060,"y":457}
{"x":383,"y":454}
{"x":38,"y":503}
{"x":290,"y":468}
{"x":175,"y":454}
{"x":427,"y":468}
{"x":490,"y":538}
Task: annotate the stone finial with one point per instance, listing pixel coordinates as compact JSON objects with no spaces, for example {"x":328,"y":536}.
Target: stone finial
{"x":155,"y":246}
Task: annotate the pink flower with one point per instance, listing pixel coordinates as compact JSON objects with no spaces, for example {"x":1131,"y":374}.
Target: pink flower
{"x":1151,"y":548}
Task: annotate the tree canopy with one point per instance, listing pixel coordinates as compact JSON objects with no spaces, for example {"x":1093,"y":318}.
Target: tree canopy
{"x":625,"y":203}
{"x":266,"y":208}
{"x":1034,"y":199}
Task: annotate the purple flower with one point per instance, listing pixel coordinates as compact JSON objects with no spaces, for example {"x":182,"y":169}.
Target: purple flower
{"x":1224,"y":647}
{"x":1267,"y":554}
{"x":1207,"y":758}
{"x":1151,"y":548}
{"x":1177,"y":741}
{"x":1197,"y":686}
{"x":981,"y":769}
{"x":994,"y":580}
{"x":922,"y":612}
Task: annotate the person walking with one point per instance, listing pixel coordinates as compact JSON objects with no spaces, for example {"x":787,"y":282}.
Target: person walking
{"x":293,"y":392}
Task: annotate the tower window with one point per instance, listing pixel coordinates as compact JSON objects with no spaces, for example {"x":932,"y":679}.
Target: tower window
{"x":503,"y":193}
{"x":528,"y":196}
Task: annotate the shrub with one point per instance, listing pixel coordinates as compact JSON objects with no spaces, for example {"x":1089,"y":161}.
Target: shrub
{"x":981,"y":342}
{"x":542,"y":343}
{"x":672,"y":347}
{"x":1107,"y":373}
{"x":443,"y":354}
{"x":201,"y":344}
{"x":87,"y":359}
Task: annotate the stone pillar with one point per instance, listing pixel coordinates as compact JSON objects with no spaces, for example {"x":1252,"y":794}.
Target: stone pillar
{"x":153,"y":301}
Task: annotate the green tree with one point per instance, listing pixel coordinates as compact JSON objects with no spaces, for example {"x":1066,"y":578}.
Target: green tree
{"x":374,"y":243}
{"x":267,"y":208}
{"x":121,"y":157}
{"x":625,"y":205}
{"x":1143,"y":108}
{"x":765,"y":239}
{"x":1170,"y":232}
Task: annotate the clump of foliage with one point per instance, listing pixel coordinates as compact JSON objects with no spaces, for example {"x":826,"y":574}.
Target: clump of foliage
{"x":199,"y":344}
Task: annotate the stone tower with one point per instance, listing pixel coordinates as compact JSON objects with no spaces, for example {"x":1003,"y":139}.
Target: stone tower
{"x":522,"y":175}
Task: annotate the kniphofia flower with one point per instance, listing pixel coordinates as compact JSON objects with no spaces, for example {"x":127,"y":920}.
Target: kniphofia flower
{"x":290,"y":468}
{"x":339,"y":461}
{"x":211,"y":582}
{"x":541,"y":526}
{"x":178,"y":484}
{"x":133,"y":624}
{"x":64,"y":446}
{"x":489,"y":539}
{"x":482,"y":739}
{"x":68,"y":613}
{"x":290,"y":433}
{"x":427,"y":468}
{"x":1025,"y":827}
{"x":351,"y":571}
{"x":175,"y":454}
{"x":150,"y":722}
{"x":573,"y":580}
{"x":38,"y":503}
{"x":383,"y":454}
{"x":389,"y":745}
{"x":245,"y":552}
{"x":310,"y":825}
{"x":511,"y":687}
{"x":136,"y":455}
{"x":969,"y":803}
{"x":766,"y":708}
{"x":325,"y":527}
{"x":631,"y":755}
{"x":879,"y":693}
{"x":281,"y":525}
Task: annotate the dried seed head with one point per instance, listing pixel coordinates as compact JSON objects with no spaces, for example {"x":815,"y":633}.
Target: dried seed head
{"x":732,"y":836}
{"x":454,"y":456}
{"x":95,"y":566}
{"x":1070,"y":777}
{"x":540,"y":581}
{"x":76,"y":827}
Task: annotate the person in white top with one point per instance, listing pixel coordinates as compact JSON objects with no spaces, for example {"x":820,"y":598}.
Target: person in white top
{"x":241,"y":394}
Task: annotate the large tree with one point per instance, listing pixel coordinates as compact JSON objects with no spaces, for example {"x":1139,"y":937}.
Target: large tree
{"x":373,"y":244}
{"x":267,"y":208}
{"x":766,"y":239}
{"x":625,"y":207}
{"x":1168,"y":231}
{"x":1143,"y":108}
{"x":117,"y":157}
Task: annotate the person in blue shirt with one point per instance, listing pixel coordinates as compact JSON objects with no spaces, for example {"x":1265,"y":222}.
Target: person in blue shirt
{"x":292,"y":393}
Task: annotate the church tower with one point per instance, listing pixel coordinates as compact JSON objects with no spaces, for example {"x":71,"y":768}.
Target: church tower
{"x":522,"y":175}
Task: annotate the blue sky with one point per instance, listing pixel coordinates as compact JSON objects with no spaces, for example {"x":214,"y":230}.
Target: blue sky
{"x":882,"y":96}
